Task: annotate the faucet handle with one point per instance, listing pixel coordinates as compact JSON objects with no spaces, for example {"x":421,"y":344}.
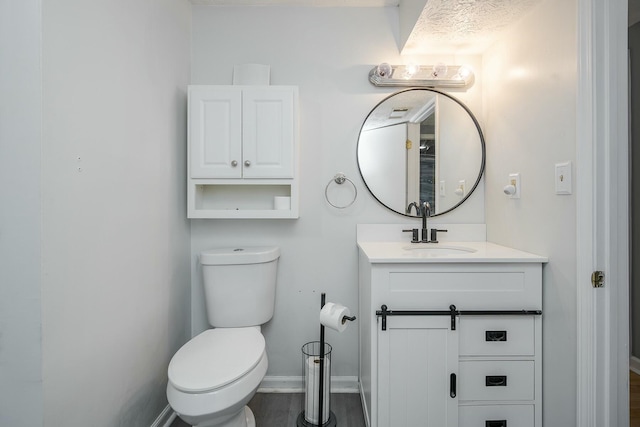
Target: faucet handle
{"x":414,"y":235}
{"x":434,"y":235}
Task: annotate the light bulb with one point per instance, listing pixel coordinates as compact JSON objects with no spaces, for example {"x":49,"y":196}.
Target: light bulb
{"x":384,"y":70}
{"x":440,"y":70}
{"x":464,"y":72}
{"x":410,"y":70}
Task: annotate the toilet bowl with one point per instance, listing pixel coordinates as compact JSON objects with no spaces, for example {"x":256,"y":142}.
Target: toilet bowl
{"x":213,"y":377}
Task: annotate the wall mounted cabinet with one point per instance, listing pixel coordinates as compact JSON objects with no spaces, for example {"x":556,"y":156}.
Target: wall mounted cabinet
{"x":242,"y":151}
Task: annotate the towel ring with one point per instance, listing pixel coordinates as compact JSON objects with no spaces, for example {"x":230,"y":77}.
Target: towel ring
{"x":340,"y":179}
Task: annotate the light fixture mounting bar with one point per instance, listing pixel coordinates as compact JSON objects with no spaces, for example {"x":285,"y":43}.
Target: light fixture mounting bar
{"x":431,"y":76}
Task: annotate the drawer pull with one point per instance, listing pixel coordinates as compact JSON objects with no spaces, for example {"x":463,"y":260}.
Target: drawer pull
{"x":495,"y":423}
{"x":496,"y":381}
{"x":495,"y":335}
{"x":452,"y":386}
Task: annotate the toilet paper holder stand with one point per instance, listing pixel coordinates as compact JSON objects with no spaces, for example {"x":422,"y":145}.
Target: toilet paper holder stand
{"x":331,"y":422}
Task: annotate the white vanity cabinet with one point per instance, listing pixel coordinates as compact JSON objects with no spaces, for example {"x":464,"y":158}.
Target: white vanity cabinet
{"x":242,"y":151}
{"x":421,"y":365}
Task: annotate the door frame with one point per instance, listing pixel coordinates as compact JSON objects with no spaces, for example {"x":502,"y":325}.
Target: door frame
{"x":602,"y":214}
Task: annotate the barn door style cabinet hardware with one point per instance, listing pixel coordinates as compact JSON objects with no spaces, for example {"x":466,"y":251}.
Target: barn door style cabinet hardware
{"x":453,"y":312}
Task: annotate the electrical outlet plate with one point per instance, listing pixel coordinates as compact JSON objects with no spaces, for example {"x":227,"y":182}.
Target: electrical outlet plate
{"x":462,"y":188}
{"x":514,"y":179}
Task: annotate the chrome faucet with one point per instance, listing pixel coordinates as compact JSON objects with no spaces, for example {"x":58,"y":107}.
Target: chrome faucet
{"x":426,"y":212}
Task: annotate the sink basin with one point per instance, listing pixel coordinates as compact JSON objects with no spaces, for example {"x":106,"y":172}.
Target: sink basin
{"x":437,"y":250}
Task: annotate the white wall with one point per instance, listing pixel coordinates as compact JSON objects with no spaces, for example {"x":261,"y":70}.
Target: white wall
{"x":115,"y":241}
{"x":530,"y":123}
{"x":20,"y":207}
{"x":328,"y":53}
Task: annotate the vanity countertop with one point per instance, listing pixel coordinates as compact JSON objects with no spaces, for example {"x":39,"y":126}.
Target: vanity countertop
{"x":445,"y":252}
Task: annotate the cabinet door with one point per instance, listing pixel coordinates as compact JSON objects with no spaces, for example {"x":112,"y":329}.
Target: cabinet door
{"x":268,"y":131}
{"x":215,"y":132}
{"x":417,"y":373}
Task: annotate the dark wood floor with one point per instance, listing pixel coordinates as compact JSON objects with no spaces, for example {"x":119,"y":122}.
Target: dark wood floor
{"x":282,"y":409}
{"x":634,"y":399}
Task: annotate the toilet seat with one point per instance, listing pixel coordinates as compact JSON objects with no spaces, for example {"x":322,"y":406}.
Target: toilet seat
{"x":215,"y":358}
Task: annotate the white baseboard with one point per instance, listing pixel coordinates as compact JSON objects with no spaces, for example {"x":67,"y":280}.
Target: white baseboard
{"x":274,"y":384}
{"x":634,"y":364}
{"x":295,"y":384}
{"x":165,"y":418}
{"x":365,"y":410}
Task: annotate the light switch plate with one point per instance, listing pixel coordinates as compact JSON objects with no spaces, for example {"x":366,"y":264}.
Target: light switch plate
{"x":563,"y":178}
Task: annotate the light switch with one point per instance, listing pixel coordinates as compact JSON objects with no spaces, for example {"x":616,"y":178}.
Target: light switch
{"x":443,"y":193}
{"x":563,"y":178}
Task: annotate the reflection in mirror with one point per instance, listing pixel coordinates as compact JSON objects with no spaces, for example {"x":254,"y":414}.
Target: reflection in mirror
{"x":421,"y":145}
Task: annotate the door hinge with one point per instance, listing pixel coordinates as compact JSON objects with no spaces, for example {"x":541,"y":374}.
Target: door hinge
{"x":597,"y":279}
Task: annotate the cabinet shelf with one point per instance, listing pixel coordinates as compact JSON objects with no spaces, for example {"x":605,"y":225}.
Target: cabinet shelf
{"x":241,"y":199}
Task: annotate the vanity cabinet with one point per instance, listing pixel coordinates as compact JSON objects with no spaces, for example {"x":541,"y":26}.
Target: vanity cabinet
{"x":480,"y":367}
{"x":242,"y":151}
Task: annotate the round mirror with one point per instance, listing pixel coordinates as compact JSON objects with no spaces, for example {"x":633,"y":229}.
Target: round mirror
{"x":421,"y":145}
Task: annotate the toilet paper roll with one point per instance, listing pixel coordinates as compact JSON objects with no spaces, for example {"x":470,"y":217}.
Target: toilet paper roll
{"x":312,"y":390}
{"x":282,"y":203}
{"x":332,"y":316}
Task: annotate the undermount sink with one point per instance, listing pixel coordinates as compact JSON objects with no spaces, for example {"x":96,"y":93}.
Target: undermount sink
{"x":438,"y":250}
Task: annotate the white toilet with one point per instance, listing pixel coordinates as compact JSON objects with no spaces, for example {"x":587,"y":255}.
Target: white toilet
{"x":213,"y":376}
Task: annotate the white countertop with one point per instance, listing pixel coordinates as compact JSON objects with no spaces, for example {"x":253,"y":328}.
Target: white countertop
{"x":483,"y":252}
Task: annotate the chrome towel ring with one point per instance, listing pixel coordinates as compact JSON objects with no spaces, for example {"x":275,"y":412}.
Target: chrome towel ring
{"x":340,"y":179}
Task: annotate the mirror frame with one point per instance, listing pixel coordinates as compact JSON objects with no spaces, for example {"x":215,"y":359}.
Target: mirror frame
{"x":480,"y":134}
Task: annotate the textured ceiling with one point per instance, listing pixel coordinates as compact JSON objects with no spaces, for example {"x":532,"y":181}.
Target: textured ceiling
{"x":463,"y":26}
{"x":313,"y":3}
{"x":444,"y":26}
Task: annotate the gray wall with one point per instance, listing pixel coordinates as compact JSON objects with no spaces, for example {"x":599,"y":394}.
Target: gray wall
{"x":530,"y":117}
{"x":20,"y":214}
{"x":93,"y":235}
{"x":634,"y":202}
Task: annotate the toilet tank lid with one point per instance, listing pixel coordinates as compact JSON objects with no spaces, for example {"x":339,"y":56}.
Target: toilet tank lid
{"x":239,"y":255}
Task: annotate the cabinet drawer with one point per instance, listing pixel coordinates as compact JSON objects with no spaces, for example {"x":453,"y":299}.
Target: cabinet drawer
{"x":496,"y":380}
{"x":497,"y":336}
{"x":496,"y":416}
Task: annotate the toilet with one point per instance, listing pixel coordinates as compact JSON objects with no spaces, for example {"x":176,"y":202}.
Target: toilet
{"x":214,"y":375}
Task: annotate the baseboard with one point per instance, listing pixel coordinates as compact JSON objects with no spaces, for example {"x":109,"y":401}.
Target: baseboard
{"x":165,"y":418}
{"x":634,"y":364}
{"x":275,"y":384}
{"x":295,"y":384}
{"x":365,"y":410}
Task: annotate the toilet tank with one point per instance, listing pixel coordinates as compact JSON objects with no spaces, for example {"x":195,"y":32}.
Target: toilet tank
{"x":239,"y":285}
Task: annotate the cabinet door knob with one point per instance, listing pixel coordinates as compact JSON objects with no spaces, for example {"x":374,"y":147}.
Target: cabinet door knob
{"x":247,"y":163}
{"x":234,"y":163}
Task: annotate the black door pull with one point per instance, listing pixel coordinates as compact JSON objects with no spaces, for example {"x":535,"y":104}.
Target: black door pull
{"x":495,"y":335}
{"x":495,"y":423}
{"x":452,"y":386}
{"x":496,"y":381}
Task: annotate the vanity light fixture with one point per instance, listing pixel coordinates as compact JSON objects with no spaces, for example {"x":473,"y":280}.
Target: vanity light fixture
{"x":413,"y":75}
